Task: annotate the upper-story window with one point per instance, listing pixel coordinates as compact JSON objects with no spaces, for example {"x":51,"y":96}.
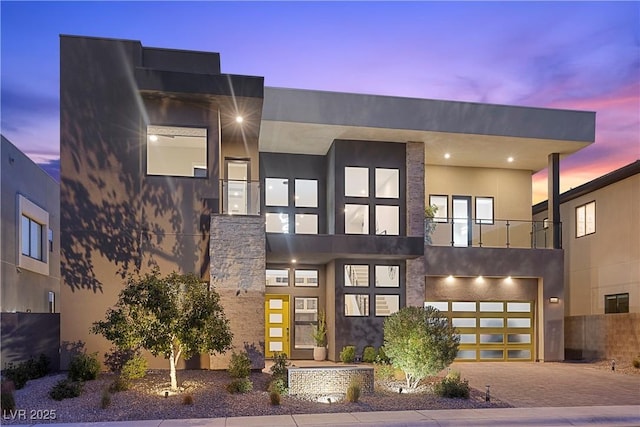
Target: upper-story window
{"x":31,"y":238}
{"x":33,"y":228}
{"x":297,"y":214}
{"x":387,"y":183}
{"x":616,"y":303}
{"x":484,"y":210}
{"x":177,"y":151}
{"x":276,"y":192}
{"x":441,"y":202}
{"x":306,"y":193}
{"x":356,"y":182}
{"x":586,"y":219}
{"x":356,"y":219}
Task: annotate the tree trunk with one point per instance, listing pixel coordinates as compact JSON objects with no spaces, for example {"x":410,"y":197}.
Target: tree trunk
{"x":172,"y":371}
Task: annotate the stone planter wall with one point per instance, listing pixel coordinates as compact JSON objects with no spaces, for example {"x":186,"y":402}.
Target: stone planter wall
{"x":329,"y":379}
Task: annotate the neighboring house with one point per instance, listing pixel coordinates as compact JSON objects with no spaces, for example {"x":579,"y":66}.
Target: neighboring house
{"x":29,"y":256}
{"x":601,"y":241}
{"x":289,"y":202}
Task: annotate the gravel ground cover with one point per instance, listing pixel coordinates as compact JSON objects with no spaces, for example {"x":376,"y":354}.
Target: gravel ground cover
{"x":146,"y":399}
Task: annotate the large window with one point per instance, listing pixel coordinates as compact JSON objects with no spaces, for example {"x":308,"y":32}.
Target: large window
{"x":276,"y":192}
{"x":356,"y":305}
{"x":387,"y":276}
{"x":356,"y":219}
{"x":277,"y":277}
{"x":586,"y":219}
{"x":305,"y":318}
{"x":356,"y":275}
{"x":387,"y":220}
{"x":297,"y":214}
{"x":356,"y":182}
{"x":484,"y":210}
{"x":306,"y":224}
{"x":306,"y":278}
{"x":306,"y":193}
{"x":386,"y":305}
{"x":177,"y":151}
{"x":277,"y":222}
{"x":387,"y":183}
{"x":441,"y":203}
{"x":616,"y":303}
{"x":31,"y":238}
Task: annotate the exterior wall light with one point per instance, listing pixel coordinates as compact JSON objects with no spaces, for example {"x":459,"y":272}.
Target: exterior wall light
{"x":447,"y":155}
{"x":239,"y":119}
{"x":153,"y":138}
{"x":510,"y":160}
{"x":479,"y":279}
{"x":554,"y":300}
{"x":449,"y":279}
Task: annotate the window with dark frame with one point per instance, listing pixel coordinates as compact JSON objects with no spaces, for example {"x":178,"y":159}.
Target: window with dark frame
{"x":31,"y":238}
{"x":586,"y":219}
{"x":484,"y":210}
{"x":177,"y":151}
{"x":616,"y":303}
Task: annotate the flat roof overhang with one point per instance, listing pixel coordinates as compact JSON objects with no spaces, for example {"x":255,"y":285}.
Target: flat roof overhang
{"x":476,"y":135}
{"x":315,"y":249}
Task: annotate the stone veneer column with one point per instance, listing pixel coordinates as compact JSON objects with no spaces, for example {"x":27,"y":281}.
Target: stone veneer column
{"x":415,"y":220}
{"x":237,"y":266}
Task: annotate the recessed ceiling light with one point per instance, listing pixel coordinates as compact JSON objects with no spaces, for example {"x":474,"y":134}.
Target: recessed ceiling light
{"x":239,"y":119}
{"x":153,"y":138}
{"x":293,"y":261}
{"x":510,"y":159}
{"x":447,"y":155}
{"x":449,"y":279}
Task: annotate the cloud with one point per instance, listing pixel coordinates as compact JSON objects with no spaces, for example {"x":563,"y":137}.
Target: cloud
{"x":52,"y":167}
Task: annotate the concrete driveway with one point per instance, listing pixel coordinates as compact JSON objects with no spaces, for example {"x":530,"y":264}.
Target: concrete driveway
{"x":552,"y":384}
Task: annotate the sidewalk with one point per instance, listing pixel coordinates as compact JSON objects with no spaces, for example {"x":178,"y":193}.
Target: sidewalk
{"x":610,"y":416}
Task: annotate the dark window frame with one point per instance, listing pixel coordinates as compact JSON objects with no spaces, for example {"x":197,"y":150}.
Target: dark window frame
{"x":28,"y":251}
{"x":619,"y":307}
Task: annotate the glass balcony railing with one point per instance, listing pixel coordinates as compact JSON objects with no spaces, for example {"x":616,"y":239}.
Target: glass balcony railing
{"x":471,"y":232}
{"x":240,"y":197}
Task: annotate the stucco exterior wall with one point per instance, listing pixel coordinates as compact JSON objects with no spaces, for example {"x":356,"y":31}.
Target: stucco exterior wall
{"x":599,"y":336}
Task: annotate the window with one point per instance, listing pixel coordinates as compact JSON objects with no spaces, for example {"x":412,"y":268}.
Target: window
{"x":386,"y":305}
{"x":176,"y":151}
{"x":356,"y":182}
{"x":617,"y":303}
{"x":306,"y":224}
{"x":305,"y":318}
{"x":35,"y":236}
{"x":387,"y":276}
{"x":31,"y":238}
{"x":276,"y":192}
{"x":356,"y":305}
{"x":388,"y":220}
{"x":484,"y":210}
{"x":586,"y":219}
{"x":387,"y":183}
{"x":277,"y":222}
{"x":306,"y":193}
{"x":356,"y":275}
{"x":306,"y":278}
{"x":277,"y":277}
{"x":442,"y":204}
{"x":356,"y":219}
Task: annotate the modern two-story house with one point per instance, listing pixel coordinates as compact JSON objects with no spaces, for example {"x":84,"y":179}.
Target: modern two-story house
{"x":291,"y":202}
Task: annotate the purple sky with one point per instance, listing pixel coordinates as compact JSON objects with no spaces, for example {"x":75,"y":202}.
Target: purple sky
{"x":571,"y":55}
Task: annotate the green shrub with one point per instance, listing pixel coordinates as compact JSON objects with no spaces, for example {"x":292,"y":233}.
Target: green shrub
{"x":240,"y":365}
{"x":240,"y":385}
{"x":452,"y":387}
{"x":65,"y":389}
{"x":636,"y":362}
{"x":187,"y":399}
{"x":348,"y":354}
{"x":381,"y":357}
{"x":28,"y":370}
{"x":274,"y":397}
{"x":118,"y":385}
{"x":115,"y":359}
{"x":369,"y":354}
{"x":353,"y":392}
{"x":84,"y":367}
{"x":279,"y":385}
{"x":105,"y":401}
{"x":279,"y":367}
{"x":7,"y":402}
{"x":134,"y":368}
{"x":383,"y":371}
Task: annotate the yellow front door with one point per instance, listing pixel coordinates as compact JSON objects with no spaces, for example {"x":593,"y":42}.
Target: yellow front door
{"x":276,"y":334}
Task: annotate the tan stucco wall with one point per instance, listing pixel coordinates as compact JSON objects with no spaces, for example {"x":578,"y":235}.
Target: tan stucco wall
{"x":611,"y":336}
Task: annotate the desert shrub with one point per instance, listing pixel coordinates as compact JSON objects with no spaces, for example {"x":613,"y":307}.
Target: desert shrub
{"x":115,"y":359}
{"x":348,"y":354}
{"x":280,"y":363}
{"x":84,"y":367}
{"x":7,"y":402}
{"x":353,"y":392}
{"x":134,"y":368}
{"x":452,"y":387}
{"x":278,"y":384}
{"x":240,"y":365}
{"x":636,"y":362}
{"x":369,"y":354}
{"x":105,"y":401}
{"x":420,"y":341}
{"x":274,"y":398}
{"x":383,"y":371}
{"x":187,"y":399}
{"x":28,"y":370}
{"x":65,"y":389}
{"x":240,"y":385}
{"x":118,"y":385}
{"x":382,"y":357}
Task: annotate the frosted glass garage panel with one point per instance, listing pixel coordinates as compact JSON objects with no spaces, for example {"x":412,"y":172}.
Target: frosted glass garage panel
{"x":467,"y":339}
{"x":491,"y":354}
{"x":440,"y":305}
{"x":491,"y":338}
{"x":492,"y":307}
{"x":519,"y":338}
{"x":518,"y":323}
{"x":519,"y":354}
{"x":466,"y":354}
{"x":463,"y":322}
{"x":519,"y":307}
{"x":463,"y":306}
{"x":490,"y":322}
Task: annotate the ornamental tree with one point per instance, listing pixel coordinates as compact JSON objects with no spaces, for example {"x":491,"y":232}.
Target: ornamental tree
{"x":420,"y":341}
{"x":174,"y":316}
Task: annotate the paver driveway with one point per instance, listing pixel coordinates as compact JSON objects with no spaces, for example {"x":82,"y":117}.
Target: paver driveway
{"x":552,"y":384}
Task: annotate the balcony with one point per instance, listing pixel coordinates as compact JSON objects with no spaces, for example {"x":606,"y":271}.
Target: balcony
{"x":471,"y":232}
{"x":240,"y":197}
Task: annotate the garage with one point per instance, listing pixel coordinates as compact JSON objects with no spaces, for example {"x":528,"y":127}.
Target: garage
{"x":491,"y":330}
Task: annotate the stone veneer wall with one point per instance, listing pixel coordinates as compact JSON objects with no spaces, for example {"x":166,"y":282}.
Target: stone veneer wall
{"x":237,"y":250}
{"x":329,"y":380}
{"x":603,"y":336}
{"x":415,"y":220}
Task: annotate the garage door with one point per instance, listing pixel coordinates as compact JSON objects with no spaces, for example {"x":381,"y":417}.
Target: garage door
{"x":491,"y":330}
